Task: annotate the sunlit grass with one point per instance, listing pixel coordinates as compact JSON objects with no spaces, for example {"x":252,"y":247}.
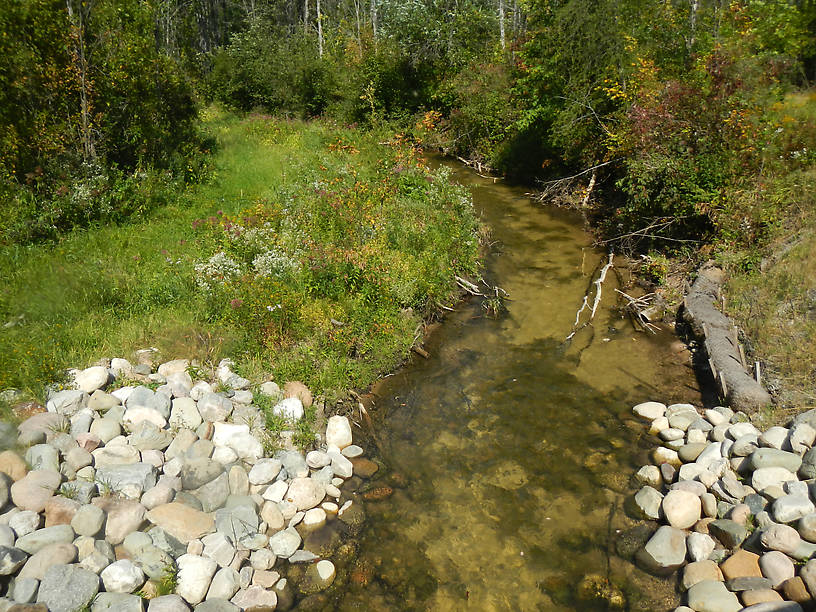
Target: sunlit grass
{"x":108,"y":291}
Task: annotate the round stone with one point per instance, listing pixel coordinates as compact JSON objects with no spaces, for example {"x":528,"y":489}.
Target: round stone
{"x":314,"y":517}
{"x":122,"y":577}
{"x":681,"y":508}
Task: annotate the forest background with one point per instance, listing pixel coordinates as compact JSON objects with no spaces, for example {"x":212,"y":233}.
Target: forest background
{"x":683,"y":129}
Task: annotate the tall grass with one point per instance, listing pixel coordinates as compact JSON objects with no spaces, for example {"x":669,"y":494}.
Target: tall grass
{"x":379,"y":239}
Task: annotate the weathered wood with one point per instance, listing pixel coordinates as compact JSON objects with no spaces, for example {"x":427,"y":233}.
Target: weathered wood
{"x":715,"y":331}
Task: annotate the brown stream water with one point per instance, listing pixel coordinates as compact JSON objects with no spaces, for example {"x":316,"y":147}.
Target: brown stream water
{"x":513,"y":451}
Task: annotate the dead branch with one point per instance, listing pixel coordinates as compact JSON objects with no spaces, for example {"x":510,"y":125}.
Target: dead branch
{"x":590,"y":187}
{"x":468,"y":286}
{"x":635,"y":307}
{"x":596,"y":301}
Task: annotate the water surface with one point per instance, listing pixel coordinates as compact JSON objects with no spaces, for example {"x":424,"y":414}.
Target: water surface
{"x":515,"y":449}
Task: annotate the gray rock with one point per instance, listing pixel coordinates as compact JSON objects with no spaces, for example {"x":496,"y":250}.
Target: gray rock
{"x":24,"y":522}
{"x":808,"y":468}
{"x":264,"y":471}
{"x":286,"y":542}
{"x":194,"y":577}
{"x":43,"y":457}
{"x":142,"y":396}
{"x":729,"y":533}
{"x":775,"y":437}
{"x":294,"y":463}
{"x":755,"y":502}
{"x":67,"y":588}
{"x":770,"y":476}
{"x":198,"y":472}
{"x":238,"y":480}
{"x":214,"y":407}
{"x":712,"y":596}
{"x":68,"y":402}
{"x":117,"y":602}
{"x":25,"y":590}
{"x":93,"y":378}
{"x":135,"y":542}
{"x":102,"y":402}
{"x":236,"y":522}
{"x":748,"y":583}
{"x":681,"y":415}
{"x":648,"y":501}
{"x":225,"y":584}
{"x":106,"y":429}
{"x":131,"y":480}
{"x":200,"y":449}
{"x":41,"y":538}
{"x":164,"y":541}
{"x":791,"y":508}
{"x":772,"y":457}
{"x":214,"y":494}
{"x":122,"y":577}
{"x":700,"y":546}
{"x":184,"y":413}
{"x":8,"y":436}
{"x":218,"y":548}
{"x":114,"y":455}
{"x":148,"y":436}
{"x":180,"y":384}
{"x":7,"y":536}
{"x":801,"y":438}
{"x":11,"y":559}
{"x":168,"y":603}
{"x":183,"y":440}
{"x":303,"y":556}
{"x":154,"y":562}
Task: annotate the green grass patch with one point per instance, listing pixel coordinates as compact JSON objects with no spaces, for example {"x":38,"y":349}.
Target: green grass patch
{"x":312,"y":253}
{"x":772,"y":285}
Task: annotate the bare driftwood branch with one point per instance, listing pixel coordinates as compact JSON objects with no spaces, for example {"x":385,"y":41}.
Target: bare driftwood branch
{"x":635,"y":307}
{"x":598,"y":283}
{"x":468,"y":286}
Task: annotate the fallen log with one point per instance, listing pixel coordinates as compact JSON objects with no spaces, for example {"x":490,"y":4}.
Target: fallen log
{"x":715,"y":333}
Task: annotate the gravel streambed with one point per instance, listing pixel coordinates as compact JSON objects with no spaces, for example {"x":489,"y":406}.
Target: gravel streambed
{"x":170,"y":495}
{"x":735,"y":507}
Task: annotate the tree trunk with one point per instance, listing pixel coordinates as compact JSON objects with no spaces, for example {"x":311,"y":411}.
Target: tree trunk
{"x":305,"y":15}
{"x":359,"y":37}
{"x":374,"y":20}
{"x":79,"y":20}
{"x":501,"y":24}
{"x":695,"y":4}
{"x":319,"y":31}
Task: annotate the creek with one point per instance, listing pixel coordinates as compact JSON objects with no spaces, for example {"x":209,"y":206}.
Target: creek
{"x":510,"y":452}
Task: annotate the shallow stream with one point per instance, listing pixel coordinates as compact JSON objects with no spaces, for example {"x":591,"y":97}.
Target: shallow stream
{"x":510,"y":451}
